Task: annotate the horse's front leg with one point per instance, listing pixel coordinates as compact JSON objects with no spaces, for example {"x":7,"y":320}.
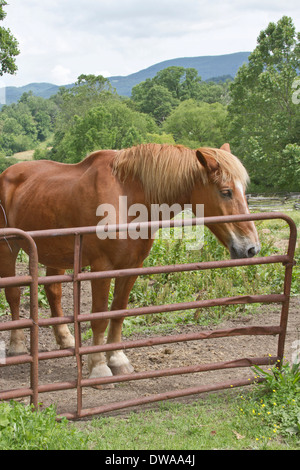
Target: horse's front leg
{"x":117,"y":360}
{"x":97,"y":361}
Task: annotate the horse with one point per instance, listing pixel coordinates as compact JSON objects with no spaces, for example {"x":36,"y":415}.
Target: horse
{"x":40,"y":195}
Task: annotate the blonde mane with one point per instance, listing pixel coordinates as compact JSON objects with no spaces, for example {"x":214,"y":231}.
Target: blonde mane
{"x":167,"y":172}
{"x":230,"y":167}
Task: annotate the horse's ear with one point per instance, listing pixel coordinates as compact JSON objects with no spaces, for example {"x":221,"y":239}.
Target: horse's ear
{"x":208,"y":162}
{"x":226,"y":147}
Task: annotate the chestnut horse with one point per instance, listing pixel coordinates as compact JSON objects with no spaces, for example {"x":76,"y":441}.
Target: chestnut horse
{"x":42,"y":195}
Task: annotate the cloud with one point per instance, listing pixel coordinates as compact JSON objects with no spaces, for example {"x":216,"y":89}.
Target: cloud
{"x":61,"y":75}
{"x":64,"y":38}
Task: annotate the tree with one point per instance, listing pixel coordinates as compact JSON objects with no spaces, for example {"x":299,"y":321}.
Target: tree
{"x":26,"y":124}
{"x":8,"y":46}
{"x":89,"y":90}
{"x":197,"y":124}
{"x":160,"y":95}
{"x":109,"y":125}
{"x":263,"y":118}
{"x":154,"y":99}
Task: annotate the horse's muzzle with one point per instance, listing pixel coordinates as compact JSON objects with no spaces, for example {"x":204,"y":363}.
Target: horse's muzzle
{"x":249,"y":250}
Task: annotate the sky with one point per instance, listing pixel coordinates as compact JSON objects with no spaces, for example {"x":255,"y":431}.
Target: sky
{"x":62,"y":39}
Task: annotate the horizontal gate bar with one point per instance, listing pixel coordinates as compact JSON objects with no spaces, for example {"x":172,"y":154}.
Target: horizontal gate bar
{"x":251,"y":299}
{"x":156,"y":341}
{"x":161,"y":224}
{"x":243,"y":331}
{"x":159,"y":397}
{"x":17,"y":393}
{"x":238,"y":363}
{"x":201,"y":266}
{"x":15,"y":281}
{"x":61,"y":386}
{"x":270,"y":298}
{"x":16,"y":324}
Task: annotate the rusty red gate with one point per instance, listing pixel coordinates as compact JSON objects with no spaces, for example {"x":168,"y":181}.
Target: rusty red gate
{"x":34,"y":323}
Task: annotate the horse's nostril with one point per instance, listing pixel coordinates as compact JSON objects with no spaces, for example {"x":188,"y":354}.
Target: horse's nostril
{"x":251,"y":252}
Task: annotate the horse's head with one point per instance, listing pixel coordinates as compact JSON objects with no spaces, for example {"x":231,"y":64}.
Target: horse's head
{"x":223,"y":193}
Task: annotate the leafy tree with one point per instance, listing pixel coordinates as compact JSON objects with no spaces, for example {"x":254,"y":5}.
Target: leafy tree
{"x":161,"y":138}
{"x":290,"y":177}
{"x":197,"y":124}
{"x":162,"y":94}
{"x":89,"y":90}
{"x":171,"y":78}
{"x":263,"y":118}
{"x":212,"y":92}
{"x":154,"y":99}
{"x":8,"y":46}
{"x":6,"y":162}
{"x":26,"y":124}
{"x":111,"y":125}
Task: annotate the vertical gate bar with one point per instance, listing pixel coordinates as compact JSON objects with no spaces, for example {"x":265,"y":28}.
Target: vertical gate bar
{"x":287,"y":290}
{"x":77,"y":325}
{"x":34,"y":330}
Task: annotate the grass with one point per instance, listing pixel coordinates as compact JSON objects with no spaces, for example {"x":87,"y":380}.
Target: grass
{"x":23,"y":429}
{"x":223,"y":421}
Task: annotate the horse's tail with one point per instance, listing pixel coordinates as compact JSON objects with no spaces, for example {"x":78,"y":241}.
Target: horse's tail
{"x":3,"y":215}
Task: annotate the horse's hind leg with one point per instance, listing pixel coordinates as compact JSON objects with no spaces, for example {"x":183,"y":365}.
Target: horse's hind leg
{"x":8,"y":256}
{"x":54,"y":293}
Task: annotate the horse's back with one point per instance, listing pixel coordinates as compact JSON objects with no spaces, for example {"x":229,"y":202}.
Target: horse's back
{"x":48,"y":194}
{"x":44,"y":172}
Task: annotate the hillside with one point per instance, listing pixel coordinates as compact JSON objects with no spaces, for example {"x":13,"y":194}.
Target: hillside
{"x":208,"y":67}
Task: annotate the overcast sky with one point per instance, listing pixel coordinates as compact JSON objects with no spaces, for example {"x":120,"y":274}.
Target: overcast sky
{"x":61,"y":39}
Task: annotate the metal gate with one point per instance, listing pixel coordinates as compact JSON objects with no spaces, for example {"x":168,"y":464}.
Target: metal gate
{"x":34,"y":323}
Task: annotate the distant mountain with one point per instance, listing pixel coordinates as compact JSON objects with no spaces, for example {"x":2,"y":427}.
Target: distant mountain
{"x":45,"y":90}
{"x":208,"y":67}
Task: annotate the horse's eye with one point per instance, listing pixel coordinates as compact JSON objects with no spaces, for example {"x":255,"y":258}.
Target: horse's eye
{"x":226,"y":193}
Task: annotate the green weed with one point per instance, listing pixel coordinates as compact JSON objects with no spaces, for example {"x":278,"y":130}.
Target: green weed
{"x":275,"y":403}
{"x":23,"y":429}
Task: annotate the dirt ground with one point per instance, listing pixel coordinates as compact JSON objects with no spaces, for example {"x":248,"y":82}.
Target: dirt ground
{"x":153,"y":358}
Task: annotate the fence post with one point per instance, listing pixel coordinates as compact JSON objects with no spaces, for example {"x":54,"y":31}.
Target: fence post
{"x":77,"y":325}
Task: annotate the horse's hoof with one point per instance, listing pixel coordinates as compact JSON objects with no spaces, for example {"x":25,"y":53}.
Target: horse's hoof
{"x":100,"y":371}
{"x":123,"y":369}
{"x":17,"y":349}
{"x":119,"y":364}
{"x":103,"y":386}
